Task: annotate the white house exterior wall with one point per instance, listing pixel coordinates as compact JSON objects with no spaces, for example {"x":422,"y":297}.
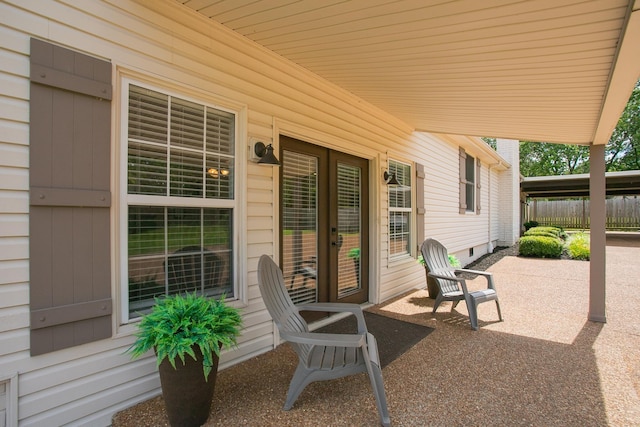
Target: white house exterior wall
{"x":459,"y":233}
{"x":509,"y":203}
{"x":168,"y":43}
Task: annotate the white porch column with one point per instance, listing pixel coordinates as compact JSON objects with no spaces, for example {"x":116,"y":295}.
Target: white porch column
{"x":509,"y":193}
{"x":597,"y":194}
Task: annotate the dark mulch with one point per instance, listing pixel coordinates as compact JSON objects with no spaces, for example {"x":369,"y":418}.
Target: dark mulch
{"x":487,"y":260}
{"x":394,"y":336}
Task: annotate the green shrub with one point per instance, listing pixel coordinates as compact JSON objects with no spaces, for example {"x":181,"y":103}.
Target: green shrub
{"x":530,"y":224}
{"x":540,"y":246}
{"x":561,"y":233}
{"x":578,"y":246}
{"x":543,"y":230}
{"x":538,"y":232}
{"x":454,"y":261}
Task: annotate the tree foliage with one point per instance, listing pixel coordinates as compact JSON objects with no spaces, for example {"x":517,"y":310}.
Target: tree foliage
{"x":491,"y":142}
{"x":543,"y":158}
{"x":623,"y":149}
{"x":621,"y":153}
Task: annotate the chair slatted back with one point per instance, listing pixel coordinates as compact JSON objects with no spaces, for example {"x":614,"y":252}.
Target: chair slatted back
{"x":278,"y":301}
{"x":437,"y":259}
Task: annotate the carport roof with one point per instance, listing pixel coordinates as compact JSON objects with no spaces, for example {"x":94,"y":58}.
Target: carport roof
{"x":617,"y":183}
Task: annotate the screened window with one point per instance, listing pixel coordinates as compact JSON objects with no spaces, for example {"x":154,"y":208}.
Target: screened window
{"x":400,"y":209}
{"x":180,"y":197}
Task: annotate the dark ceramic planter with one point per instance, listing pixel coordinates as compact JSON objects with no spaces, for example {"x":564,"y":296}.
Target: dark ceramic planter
{"x":187,"y":396}
{"x":432,"y":286}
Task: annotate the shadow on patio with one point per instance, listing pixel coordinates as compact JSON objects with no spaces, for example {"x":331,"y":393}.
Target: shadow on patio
{"x":544,"y":365}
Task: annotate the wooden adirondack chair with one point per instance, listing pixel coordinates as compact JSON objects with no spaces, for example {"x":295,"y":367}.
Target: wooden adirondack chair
{"x":453,"y":288}
{"x":321,"y":356}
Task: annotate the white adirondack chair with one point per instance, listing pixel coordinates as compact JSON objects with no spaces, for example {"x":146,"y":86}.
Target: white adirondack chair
{"x":453,"y":288}
{"x":321,"y":356}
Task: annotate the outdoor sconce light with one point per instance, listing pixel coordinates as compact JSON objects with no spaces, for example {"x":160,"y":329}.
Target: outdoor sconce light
{"x":265,"y":154}
{"x":390,"y":178}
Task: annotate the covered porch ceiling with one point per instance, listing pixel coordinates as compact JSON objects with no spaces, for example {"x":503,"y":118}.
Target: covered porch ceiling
{"x":538,"y":70}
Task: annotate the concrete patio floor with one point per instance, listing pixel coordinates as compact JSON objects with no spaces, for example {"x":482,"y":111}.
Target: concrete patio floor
{"x":545,"y":365}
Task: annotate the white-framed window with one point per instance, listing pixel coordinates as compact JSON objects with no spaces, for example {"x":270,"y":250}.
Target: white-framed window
{"x":180,"y":207}
{"x":470,"y":183}
{"x":400,"y":209}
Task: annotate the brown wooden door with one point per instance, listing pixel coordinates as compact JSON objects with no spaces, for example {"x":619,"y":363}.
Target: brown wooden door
{"x":324,"y":223}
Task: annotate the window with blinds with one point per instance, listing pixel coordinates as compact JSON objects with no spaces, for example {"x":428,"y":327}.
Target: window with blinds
{"x":300,"y":225}
{"x":470,"y":182}
{"x":180,"y":197}
{"x":400,"y":209}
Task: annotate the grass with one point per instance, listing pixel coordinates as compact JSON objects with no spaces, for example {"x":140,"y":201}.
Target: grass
{"x":153,"y":241}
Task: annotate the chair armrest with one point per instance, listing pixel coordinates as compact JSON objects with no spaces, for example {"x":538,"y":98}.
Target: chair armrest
{"x":479,"y":272}
{"x":338,"y":307}
{"x":445,"y":277}
{"x":335,"y":340}
{"x":463,"y":282}
{"x":334,"y":307}
{"x":486,"y":274}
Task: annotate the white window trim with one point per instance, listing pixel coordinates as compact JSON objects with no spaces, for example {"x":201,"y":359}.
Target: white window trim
{"x":471,"y":211}
{"x":122,"y":201}
{"x":412,"y":210}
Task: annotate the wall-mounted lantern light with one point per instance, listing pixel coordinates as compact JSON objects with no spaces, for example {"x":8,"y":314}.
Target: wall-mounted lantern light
{"x":390,"y":178}
{"x":265,"y":154}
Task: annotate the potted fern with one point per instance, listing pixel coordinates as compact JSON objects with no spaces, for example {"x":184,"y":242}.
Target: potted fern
{"x":187,"y":333}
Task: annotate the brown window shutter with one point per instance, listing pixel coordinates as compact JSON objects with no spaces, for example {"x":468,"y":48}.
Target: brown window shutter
{"x":478,"y":186}
{"x":420,"y":208}
{"x":463,"y":181}
{"x":69,"y":173}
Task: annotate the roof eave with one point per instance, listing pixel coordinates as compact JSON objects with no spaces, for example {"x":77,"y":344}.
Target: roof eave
{"x":624,"y":75}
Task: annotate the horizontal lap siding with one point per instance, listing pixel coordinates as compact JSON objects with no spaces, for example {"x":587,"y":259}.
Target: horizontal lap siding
{"x":92,"y":381}
{"x":14,"y":206}
{"x":458,"y":232}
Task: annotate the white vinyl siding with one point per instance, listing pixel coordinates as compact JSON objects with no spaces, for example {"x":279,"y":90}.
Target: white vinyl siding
{"x":168,"y":45}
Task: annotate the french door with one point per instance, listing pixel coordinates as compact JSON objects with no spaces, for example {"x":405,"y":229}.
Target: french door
{"x":324,"y":223}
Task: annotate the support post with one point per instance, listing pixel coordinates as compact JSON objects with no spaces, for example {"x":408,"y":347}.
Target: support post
{"x":597,"y":195}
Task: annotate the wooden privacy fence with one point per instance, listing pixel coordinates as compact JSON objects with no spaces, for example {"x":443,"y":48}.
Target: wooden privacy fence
{"x":623,"y":213}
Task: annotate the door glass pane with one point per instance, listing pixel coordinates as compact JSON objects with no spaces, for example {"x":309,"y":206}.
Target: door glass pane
{"x":349,"y":229}
{"x":300,"y":225}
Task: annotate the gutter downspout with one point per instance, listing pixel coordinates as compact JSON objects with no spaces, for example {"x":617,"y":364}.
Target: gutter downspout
{"x":489,"y":244}
{"x":490,"y":247}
